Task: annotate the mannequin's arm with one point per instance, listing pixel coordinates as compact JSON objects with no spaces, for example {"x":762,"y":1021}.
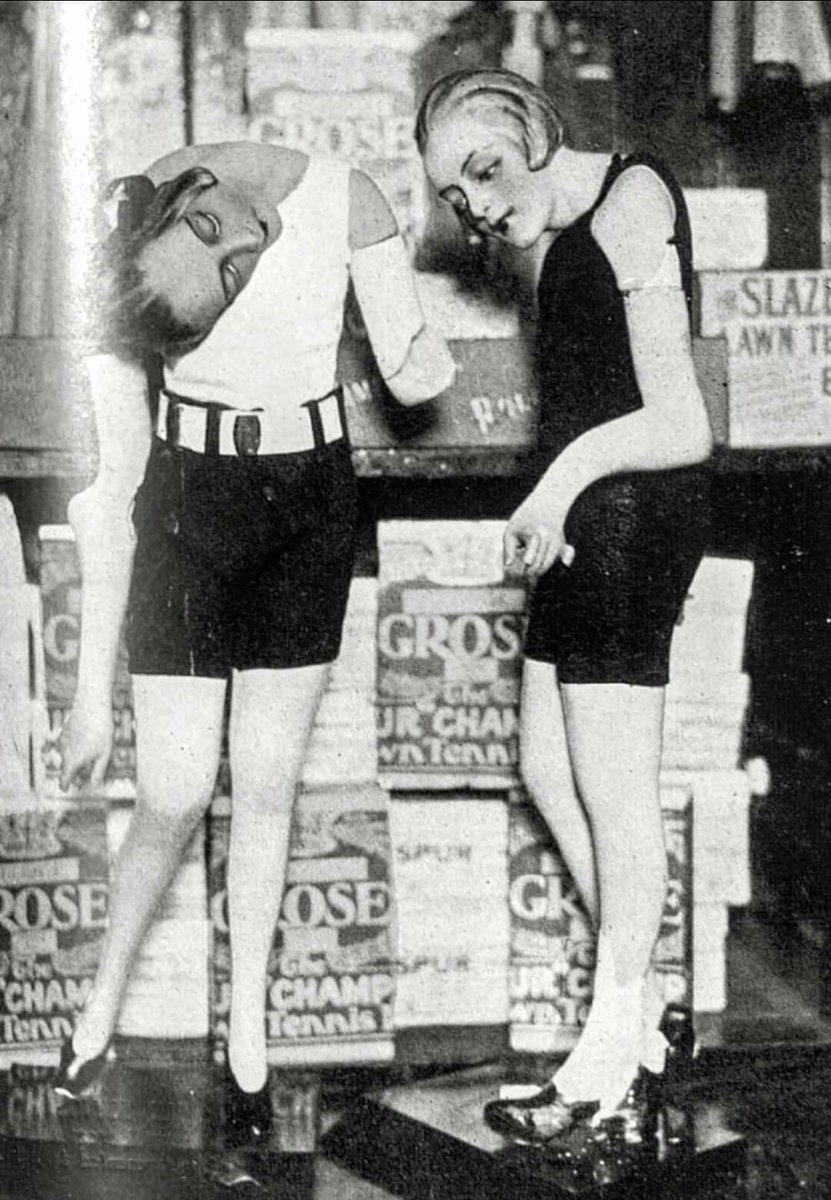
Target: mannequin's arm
{"x":101,"y":519}
{"x":413,"y":358}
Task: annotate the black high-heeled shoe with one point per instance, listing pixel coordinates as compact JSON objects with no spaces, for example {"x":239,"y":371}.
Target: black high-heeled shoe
{"x":608,"y":1146}
{"x":536,"y":1119}
{"x":545,"y":1116}
{"x":248,"y":1116}
{"x":76,"y":1077}
{"x":677,"y":1027}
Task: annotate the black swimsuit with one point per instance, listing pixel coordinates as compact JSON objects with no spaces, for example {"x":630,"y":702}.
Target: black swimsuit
{"x":638,"y":537}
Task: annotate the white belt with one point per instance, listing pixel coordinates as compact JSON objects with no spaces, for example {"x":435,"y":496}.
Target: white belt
{"x":242,"y":432}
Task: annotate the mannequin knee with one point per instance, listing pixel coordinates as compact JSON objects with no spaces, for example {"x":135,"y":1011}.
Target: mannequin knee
{"x":266,"y":781}
{"x":178,"y":795}
{"x":543,"y":777}
{"x":262,"y":793}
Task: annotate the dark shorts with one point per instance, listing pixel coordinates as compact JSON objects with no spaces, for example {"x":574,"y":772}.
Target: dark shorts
{"x":609,"y":617}
{"x":240,"y":562}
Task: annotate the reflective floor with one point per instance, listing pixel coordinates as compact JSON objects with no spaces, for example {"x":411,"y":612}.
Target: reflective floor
{"x":152,"y":1132}
{"x":155,"y":1129}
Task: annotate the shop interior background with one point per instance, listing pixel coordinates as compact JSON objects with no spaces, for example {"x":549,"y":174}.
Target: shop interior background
{"x":631,"y":74}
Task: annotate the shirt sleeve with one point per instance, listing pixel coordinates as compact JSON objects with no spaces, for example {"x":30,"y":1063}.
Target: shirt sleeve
{"x":635,"y":228}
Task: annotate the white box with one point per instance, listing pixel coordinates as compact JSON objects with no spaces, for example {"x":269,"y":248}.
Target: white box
{"x":721,"y":851}
{"x":450,"y":878}
{"x":710,"y":981}
{"x":710,"y":924}
{"x":729,"y":227}
{"x":710,"y":637}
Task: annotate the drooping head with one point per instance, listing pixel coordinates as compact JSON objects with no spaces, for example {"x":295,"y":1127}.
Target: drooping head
{"x":179,"y":262}
{"x":486,"y":137}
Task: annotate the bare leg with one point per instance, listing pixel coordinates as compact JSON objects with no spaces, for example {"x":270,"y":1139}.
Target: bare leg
{"x":546,"y":773}
{"x":178,"y":726}
{"x":271,"y":720}
{"x":614,"y":737}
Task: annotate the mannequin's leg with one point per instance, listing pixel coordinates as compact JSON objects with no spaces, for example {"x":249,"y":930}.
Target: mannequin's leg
{"x":546,"y":772}
{"x":271,"y":721}
{"x":178,"y":728}
{"x":614,"y":737}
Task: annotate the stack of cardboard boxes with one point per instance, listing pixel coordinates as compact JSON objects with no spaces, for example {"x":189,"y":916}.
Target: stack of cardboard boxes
{"x":330,"y":978}
{"x":448,"y":643}
{"x":166,"y":993}
{"x":437,"y":898}
{"x":706,"y":705}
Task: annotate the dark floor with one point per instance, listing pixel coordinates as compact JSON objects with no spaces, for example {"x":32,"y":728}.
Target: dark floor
{"x":764,"y":1070}
{"x":775,"y":982}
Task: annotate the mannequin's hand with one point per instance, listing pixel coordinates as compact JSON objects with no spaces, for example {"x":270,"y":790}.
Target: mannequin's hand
{"x":85,"y":744}
{"x":427,"y":371}
{"x":534,"y":538}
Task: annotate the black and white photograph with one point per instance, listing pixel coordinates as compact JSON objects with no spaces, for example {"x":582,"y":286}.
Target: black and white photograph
{"x":415,"y":599}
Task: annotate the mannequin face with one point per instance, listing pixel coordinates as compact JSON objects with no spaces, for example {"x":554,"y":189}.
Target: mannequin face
{"x":477,"y":163}
{"x":202,"y":263}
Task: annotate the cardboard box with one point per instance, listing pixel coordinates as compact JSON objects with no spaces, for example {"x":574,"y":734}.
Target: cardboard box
{"x":778,"y":338}
{"x":345,"y":93}
{"x":60,"y":585}
{"x":16,"y":667}
{"x":710,"y":989}
{"x":492,"y":403}
{"x":167,"y":993}
{"x":342,"y":746}
{"x":330,"y":977}
{"x":721,"y":861}
{"x":450,"y":628}
{"x":711,"y":922}
{"x":54,"y":903}
{"x":729,"y":227}
{"x":552,"y":952}
{"x":61,"y":600}
{"x":710,"y":637}
{"x":450,"y":875}
{"x":702,"y":737}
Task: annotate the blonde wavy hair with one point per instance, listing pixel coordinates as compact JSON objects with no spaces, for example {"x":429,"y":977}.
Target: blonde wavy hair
{"x":497,"y":91}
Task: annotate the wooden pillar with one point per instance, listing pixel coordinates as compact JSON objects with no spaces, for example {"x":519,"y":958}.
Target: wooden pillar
{"x":33,"y":261}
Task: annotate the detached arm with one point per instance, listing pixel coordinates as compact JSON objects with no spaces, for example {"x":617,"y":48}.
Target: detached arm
{"x":413,"y":358}
{"x":101,"y":515}
{"x":101,"y":519}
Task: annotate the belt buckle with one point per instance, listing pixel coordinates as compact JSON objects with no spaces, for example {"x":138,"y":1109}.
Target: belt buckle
{"x":247,"y":434}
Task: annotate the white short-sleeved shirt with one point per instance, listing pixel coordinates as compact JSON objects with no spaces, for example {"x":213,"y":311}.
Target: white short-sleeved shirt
{"x":276,"y":345}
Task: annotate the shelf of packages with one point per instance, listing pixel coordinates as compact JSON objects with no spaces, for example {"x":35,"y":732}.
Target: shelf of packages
{"x":45,"y":423}
{"x":765,"y":460}
{"x":482,"y":426}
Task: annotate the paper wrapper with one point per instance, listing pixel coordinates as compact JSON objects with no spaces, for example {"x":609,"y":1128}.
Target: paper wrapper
{"x":450,"y":871}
